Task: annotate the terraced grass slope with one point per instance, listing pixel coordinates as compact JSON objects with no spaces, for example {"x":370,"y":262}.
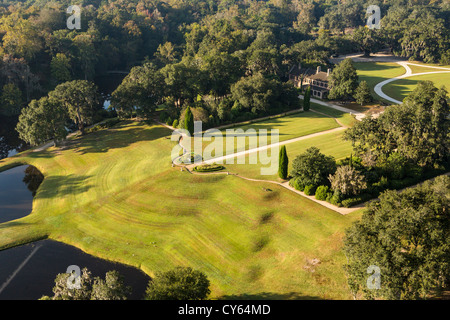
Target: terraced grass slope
{"x":115,"y":195}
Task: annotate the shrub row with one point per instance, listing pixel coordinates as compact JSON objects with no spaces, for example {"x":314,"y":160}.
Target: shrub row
{"x":208,"y":168}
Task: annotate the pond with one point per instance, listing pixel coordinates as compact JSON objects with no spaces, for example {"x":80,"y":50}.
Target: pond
{"x":16,"y":196}
{"x":28,"y":272}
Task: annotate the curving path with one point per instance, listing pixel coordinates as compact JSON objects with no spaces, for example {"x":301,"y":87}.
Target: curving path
{"x":189,"y":167}
{"x":378,"y":88}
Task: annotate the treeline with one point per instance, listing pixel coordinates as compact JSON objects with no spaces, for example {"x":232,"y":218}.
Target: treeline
{"x":405,"y":145}
{"x":180,"y":283}
{"x":205,"y":51}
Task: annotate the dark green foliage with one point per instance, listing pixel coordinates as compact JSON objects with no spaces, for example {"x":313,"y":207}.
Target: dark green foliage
{"x":362,"y":93}
{"x":313,"y":167}
{"x":262,"y":96}
{"x":343,"y":80}
{"x":139,"y":92}
{"x":297,"y":184}
{"x":307,"y":99}
{"x":336,"y":198}
{"x":189,"y":121}
{"x":407,"y":236}
{"x":417,"y":130}
{"x":353,"y":201}
{"x":79,"y":98}
{"x":209,"y":168}
{"x":110,"y":288}
{"x":181,"y":283}
{"x":368,"y":40}
{"x":322,"y":193}
{"x":283,"y":163}
{"x":42,"y":120}
{"x":10,"y":100}
{"x":309,"y":190}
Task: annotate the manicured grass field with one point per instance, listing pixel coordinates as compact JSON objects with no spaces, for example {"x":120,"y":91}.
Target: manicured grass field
{"x":289,"y":127}
{"x":399,"y":89}
{"x":114,"y":194}
{"x":330,"y":144}
{"x":425,"y":67}
{"x":343,"y":117}
{"x":375,"y":72}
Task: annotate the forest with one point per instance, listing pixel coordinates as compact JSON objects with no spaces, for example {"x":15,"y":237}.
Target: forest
{"x":228,"y":60}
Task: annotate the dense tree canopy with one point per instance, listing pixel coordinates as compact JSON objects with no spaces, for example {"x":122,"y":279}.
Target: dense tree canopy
{"x":343,"y":80}
{"x":178,"y":284}
{"x":407,"y":236}
{"x":42,"y":120}
{"x":90,"y":288}
{"x":417,"y":129}
{"x":209,"y":55}
{"x":313,"y":168}
{"x":79,"y":97}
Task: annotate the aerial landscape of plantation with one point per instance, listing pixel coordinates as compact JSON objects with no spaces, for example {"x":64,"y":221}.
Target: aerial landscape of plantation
{"x":224,"y":150}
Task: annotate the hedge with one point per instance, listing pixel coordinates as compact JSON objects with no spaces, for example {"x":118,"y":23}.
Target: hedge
{"x":209,"y":168}
{"x":309,"y":190}
{"x":322,"y":193}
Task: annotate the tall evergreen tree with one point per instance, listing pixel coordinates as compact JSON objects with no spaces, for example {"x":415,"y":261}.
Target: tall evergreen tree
{"x":307,"y":99}
{"x":283,"y":163}
{"x":362,"y":93}
{"x":189,"y":121}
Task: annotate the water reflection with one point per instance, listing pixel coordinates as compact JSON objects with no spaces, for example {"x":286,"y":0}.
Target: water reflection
{"x":35,"y":278}
{"x":16,"y":200}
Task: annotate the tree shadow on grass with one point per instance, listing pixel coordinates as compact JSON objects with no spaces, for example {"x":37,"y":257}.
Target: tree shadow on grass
{"x":269,"y":296}
{"x":43,"y":154}
{"x":372,"y":66}
{"x":12,"y":224}
{"x":119,"y":136}
{"x":63,"y":185}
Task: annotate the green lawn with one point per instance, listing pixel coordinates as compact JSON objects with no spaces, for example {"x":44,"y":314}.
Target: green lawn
{"x":114,"y":194}
{"x":343,"y":117}
{"x":330,"y":144}
{"x":399,"y":89}
{"x":289,"y":127}
{"x":425,"y":67}
{"x":375,"y":72}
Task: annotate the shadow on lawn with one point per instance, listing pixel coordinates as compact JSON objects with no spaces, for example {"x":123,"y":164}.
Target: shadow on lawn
{"x":372,"y":66}
{"x":43,"y":154}
{"x":120,"y":136}
{"x":12,"y":224}
{"x":269,"y":296}
{"x":269,"y":124}
{"x":63,"y":185}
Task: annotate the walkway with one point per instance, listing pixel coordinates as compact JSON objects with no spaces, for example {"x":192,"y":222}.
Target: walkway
{"x":285,"y":184}
{"x":358,"y":115}
{"x":378,"y":88}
